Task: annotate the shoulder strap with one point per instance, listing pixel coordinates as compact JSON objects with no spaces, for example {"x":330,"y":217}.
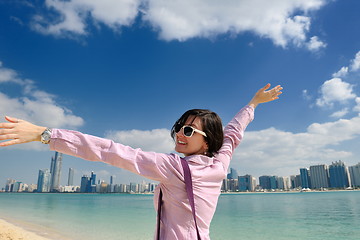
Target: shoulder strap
{"x":189,"y":190}
{"x":190,"y":193}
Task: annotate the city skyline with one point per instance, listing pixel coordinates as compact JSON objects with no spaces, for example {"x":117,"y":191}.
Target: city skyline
{"x":317,"y":176}
{"x":122,"y":71}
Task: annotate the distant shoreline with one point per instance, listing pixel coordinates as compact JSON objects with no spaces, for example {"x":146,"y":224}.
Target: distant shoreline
{"x":222,"y":193}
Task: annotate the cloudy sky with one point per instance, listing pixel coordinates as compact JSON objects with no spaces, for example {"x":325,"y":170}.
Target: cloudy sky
{"x":126,"y":70}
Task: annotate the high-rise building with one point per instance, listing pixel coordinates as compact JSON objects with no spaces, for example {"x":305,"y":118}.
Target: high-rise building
{"x":92,"y":184}
{"x":55,"y":171}
{"x":319,"y":176}
{"x":44,"y":179}
{"x":264,"y":182}
{"x":295,"y":181}
{"x":71,"y":177}
{"x":233,"y":174}
{"x":233,"y":185}
{"x":355,"y":175}
{"x":274,"y":182}
{"x":112,"y":180}
{"x":85,"y":182}
{"x":246,"y":183}
{"x":280,"y":183}
{"x":93,"y":178}
{"x":287,"y":183}
{"x":224,"y":186}
{"x":17,"y":187}
{"x":338,"y":175}
{"x":305,"y":178}
{"x":9,"y":186}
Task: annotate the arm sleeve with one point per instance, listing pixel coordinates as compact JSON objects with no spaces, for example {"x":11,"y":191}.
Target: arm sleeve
{"x":156,"y":166}
{"x":233,"y":134}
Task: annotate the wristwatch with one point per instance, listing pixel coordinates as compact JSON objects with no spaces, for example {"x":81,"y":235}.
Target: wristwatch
{"x":46,"y":136}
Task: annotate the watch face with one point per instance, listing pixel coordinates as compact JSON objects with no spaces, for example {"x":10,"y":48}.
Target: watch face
{"x":45,"y":136}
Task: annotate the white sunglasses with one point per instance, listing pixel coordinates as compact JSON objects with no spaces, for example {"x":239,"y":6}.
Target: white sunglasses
{"x":188,"y":131}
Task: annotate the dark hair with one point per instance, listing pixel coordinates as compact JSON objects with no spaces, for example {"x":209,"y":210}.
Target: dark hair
{"x":211,"y":124}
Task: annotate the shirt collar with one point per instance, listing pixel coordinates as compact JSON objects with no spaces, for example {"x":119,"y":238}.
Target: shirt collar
{"x":200,"y":159}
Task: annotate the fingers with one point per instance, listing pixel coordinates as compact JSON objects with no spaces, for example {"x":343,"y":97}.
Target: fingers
{"x":7,"y":136}
{"x":9,"y":143}
{"x":266,"y":87}
{"x":11,"y":119}
{"x":7,"y":125}
{"x":6,"y":131}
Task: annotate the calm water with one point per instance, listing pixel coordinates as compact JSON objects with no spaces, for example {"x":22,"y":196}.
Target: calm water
{"x":315,"y":216}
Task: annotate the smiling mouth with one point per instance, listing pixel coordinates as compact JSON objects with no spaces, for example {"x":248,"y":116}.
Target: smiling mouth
{"x":181,"y":142}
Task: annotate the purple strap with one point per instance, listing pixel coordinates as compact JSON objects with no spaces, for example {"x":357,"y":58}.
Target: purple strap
{"x":189,"y":190}
{"x":190,"y":193}
{"x":159,"y":214}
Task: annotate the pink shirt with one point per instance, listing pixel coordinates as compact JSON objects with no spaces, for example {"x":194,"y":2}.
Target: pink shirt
{"x":207,"y":173}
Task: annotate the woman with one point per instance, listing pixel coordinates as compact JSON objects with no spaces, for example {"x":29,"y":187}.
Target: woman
{"x":198,"y":135}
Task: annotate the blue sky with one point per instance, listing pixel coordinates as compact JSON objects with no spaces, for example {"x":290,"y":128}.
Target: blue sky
{"x":126,"y":70}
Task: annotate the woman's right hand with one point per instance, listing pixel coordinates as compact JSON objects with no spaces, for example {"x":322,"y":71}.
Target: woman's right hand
{"x":17,"y":131}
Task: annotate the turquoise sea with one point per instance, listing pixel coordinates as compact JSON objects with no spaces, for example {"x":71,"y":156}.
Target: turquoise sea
{"x":253,"y":216}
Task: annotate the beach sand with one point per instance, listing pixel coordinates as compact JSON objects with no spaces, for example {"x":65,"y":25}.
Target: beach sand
{"x":9,"y":231}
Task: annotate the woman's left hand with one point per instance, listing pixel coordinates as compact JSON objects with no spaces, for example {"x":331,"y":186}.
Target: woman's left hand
{"x":264,"y":95}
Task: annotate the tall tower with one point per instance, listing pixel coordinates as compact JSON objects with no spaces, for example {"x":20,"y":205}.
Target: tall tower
{"x":44,"y":181}
{"x":319,"y":176}
{"x":71,"y":177}
{"x":55,"y":171}
{"x":355,"y":175}
{"x":305,"y":178}
{"x":338,"y":175}
{"x":112,"y":179}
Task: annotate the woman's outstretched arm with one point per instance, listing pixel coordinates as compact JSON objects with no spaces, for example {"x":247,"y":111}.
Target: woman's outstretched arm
{"x":17,"y":131}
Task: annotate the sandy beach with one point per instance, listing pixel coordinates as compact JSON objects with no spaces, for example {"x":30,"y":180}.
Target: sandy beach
{"x":9,"y":231}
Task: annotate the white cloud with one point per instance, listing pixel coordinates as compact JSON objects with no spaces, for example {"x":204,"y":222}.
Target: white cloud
{"x":355,"y":63}
{"x":283,"y":22}
{"x":353,"y":67}
{"x":74,"y":13}
{"x":34,"y":105}
{"x":157,"y":140}
{"x":182,"y":20}
{"x":340,"y":113}
{"x":341,"y":73}
{"x":335,"y":91}
{"x":268,"y":151}
{"x":315,"y":44}
{"x":357,"y":107}
{"x":272,"y":151}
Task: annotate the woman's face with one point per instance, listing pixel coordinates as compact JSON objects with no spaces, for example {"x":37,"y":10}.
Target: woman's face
{"x":195,"y":144}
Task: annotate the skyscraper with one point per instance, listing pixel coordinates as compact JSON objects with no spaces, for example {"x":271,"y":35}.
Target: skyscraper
{"x":85,"y":182}
{"x":355,"y":175}
{"x":55,"y":171}
{"x":319,"y":176}
{"x":71,"y":177}
{"x":44,"y":179}
{"x":274,"y":182}
{"x":305,"y":178}
{"x":9,"y":185}
{"x":264,"y":182}
{"x":233,"y":174}
{"x":112,"y":178}
{"x":338,"y":175}
{"x":92,"y":184}
{"x":246,"y":183}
